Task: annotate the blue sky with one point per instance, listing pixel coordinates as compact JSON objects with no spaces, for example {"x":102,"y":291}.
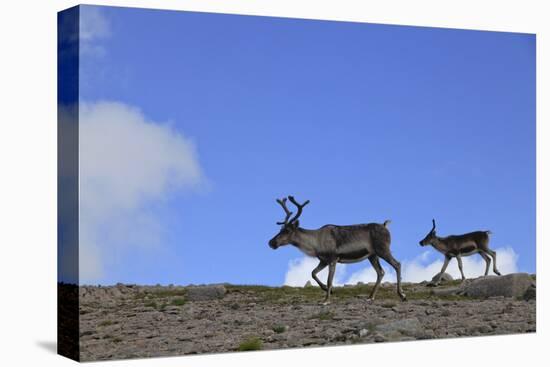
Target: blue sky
{"x":366,"y":121}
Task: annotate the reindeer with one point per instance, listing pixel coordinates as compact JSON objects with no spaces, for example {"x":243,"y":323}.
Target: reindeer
{"x":461,"y":245}
{"x":333,"y":244}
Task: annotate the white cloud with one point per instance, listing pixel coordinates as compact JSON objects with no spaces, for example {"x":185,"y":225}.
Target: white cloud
{"x":93,"y":26}
{"x":299,"y":272}
{"x":365,"y":275}
{"x":416,"y":270}
{"x":126,"y":163}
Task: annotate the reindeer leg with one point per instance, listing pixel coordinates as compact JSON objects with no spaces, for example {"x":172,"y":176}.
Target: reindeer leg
{"x":379,"y":275}
{"x":459,"y":260}
{"x":487,"y":261}
{"x":331,"y":271}
{"x":443,"y":268}
{"x":493,"y":254}
{"x":397,"y":266}
{"x":319,"y":267}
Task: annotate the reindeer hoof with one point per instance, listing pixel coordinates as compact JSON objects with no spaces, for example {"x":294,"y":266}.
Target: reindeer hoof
{"x":403,"y":297}
{"x":325,"y":303}
{"x":370,"y":300}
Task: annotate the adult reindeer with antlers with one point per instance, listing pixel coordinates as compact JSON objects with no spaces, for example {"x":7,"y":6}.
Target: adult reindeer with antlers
{"x":333,"y":244}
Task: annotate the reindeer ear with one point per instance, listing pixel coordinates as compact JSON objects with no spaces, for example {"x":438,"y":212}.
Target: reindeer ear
{"x":296,"y":224}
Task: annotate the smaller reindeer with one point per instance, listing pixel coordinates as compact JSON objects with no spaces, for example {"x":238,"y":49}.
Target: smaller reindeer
{"x":461,"y":245}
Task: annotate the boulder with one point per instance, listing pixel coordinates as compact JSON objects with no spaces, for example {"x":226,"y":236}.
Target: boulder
{"x":308,"y":284}
{"x":379,"y":338}
{"x":530,"y":293}
{"x":511,"y":285}
{"x":205,"y":293}
{"x":446,"y":277}
{"x":409,"y":327}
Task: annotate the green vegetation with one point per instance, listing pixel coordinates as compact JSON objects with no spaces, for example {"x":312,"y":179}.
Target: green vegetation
{"x":279,"y":329}
{"x":323,"y":315}
{"x":253,"y":343}
{"x":295,"y":297}
{"x":140,"y":295}
{"x":371,"y":327}
{"x":152,"y":304}
{"x":160,"y":298}
{"x":164,"y":293}
{"x":299,"y":295}
{"x":160,"y":293}
{"x":178,"y":301}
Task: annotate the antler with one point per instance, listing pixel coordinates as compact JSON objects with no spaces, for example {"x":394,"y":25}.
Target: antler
{"x":433,"y":222}
{"x":282,"y":202}
{"x":300,"y":207}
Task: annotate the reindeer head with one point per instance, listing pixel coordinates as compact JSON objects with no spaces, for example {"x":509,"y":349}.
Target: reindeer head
{"x":288,"y":227}
{"x":428,"y":240}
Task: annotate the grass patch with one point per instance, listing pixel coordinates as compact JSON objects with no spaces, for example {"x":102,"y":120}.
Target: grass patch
{"x":296,"y":295}
{"x":323,"y":315}
{"x":164,"y":293}
{"x":253,"y":343}
{"x":152,"y":304}
{"x":300,"y":295}
{"x":159,"y":293}
{"x":279,"y":329}
{"x":371,"y":327}
{"x":140,"y":295}
{"x":283,"y":294}
{"x":178,"y":301}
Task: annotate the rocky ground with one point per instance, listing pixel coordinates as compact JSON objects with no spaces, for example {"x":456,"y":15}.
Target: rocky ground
{"x":130,"y":321}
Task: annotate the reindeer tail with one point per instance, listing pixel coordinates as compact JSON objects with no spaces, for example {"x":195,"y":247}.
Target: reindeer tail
{"x":387,"y":222}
